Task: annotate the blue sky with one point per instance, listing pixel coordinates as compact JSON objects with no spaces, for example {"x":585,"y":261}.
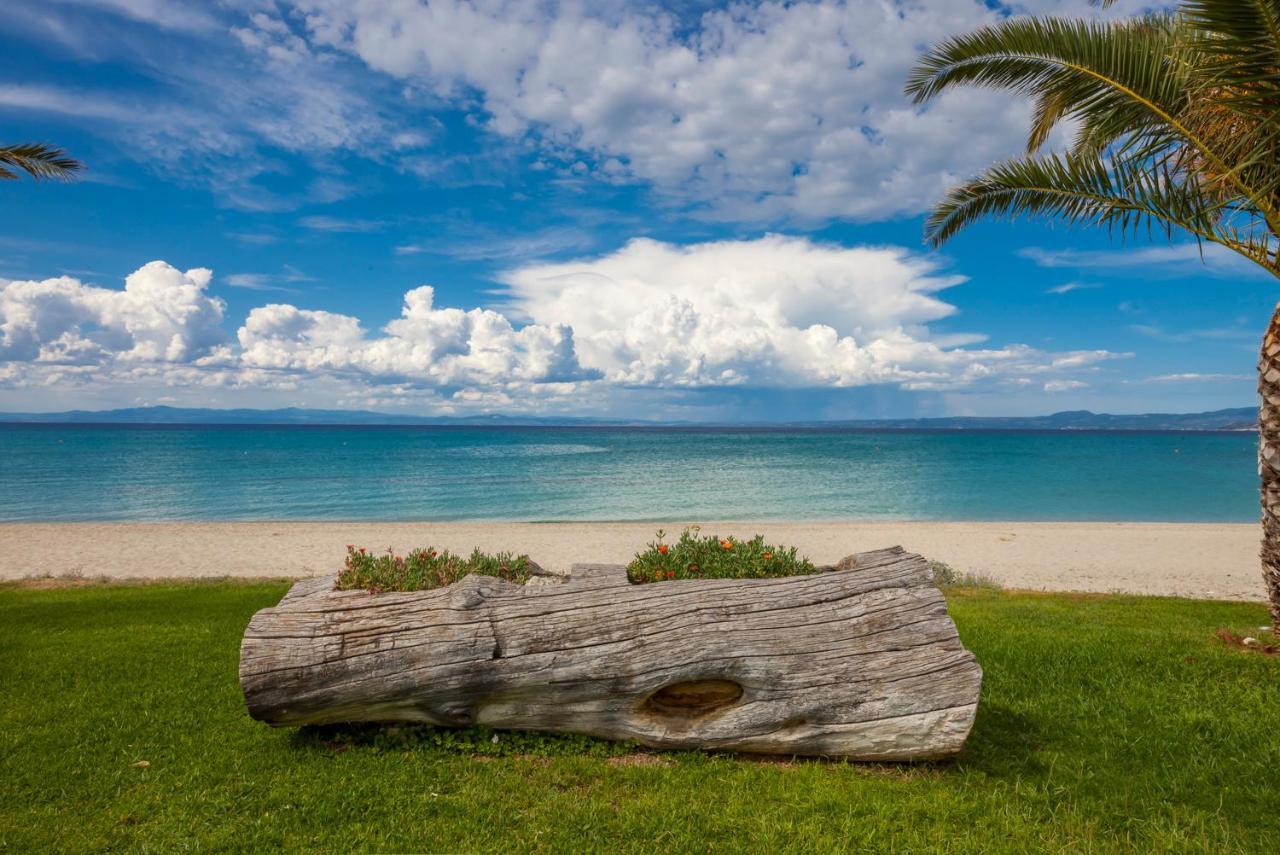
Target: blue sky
{"x":628,"y":209}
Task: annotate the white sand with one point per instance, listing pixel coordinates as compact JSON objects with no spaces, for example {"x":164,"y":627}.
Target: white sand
{"x":1192,"y":560}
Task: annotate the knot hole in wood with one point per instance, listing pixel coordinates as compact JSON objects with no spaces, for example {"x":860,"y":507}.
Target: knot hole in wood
{"x":693,"y":698}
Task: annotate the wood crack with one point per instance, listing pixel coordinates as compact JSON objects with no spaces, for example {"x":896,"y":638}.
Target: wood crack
{"x":860,"y":663}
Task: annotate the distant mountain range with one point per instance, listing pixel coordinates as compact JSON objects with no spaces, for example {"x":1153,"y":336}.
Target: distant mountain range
{"x":287,"y":416}
{"x":1238,"y":418}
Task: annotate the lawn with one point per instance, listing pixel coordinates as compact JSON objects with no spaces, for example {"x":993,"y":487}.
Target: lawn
{"x":1107,"y":723}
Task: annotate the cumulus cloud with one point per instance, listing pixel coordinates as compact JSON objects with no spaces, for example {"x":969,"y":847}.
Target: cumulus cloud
{"x":164,"y":326}
{"x":778,"y":311}
{"x":162,"y":315}
{"x":773,"y":313}
{"x":441,"y":347}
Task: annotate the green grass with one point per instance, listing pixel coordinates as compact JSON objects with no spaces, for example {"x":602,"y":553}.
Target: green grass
{"x":1107,"y":723}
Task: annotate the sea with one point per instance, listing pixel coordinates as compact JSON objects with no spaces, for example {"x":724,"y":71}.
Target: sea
{"x":52,"y":472}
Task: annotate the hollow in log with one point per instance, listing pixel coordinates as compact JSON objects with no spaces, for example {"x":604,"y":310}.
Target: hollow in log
{"x":861,"y":661}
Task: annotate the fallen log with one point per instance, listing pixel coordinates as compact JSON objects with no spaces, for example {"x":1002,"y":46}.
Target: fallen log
{"x":860,"y":662}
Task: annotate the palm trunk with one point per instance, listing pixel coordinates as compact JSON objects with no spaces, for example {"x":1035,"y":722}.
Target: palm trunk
{"x":1269,"y":463}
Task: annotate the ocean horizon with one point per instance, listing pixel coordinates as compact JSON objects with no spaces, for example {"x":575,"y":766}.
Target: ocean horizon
{"x":64,"y":472}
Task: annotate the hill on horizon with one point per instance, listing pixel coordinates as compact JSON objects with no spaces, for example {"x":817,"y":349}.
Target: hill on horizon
{"x":1236,"y":418}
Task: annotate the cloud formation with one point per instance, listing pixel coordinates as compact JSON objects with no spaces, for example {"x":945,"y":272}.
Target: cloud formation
{"x":778,"y":311}
{"x":1171,"y":260}
{"x":1197,"y":377}
{"x":425,"y":345}
{"x":757,"y":111}
{"x":774,"y":313}
{"x":229,"y":121}
{"x":162,"y":315}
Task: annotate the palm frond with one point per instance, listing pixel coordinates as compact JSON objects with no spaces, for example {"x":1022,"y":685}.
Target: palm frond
{"x":1115,"y":77}
{"x":1177,"y":118}
{"x":1122,"y":195}
{"x":37,"y":160}
{"x":1240,"y":43}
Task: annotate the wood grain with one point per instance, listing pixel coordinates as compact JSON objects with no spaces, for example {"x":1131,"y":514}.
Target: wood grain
{"x":862,"y":662}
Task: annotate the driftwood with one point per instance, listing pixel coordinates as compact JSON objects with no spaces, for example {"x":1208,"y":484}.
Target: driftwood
{"x":861,"y":662}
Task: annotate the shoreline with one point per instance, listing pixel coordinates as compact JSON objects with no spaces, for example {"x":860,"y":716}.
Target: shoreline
{"x":1200,"y":560}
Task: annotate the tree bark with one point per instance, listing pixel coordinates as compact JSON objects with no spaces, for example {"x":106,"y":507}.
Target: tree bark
{"x":861,"y":662}
{"x":1269,"y":462}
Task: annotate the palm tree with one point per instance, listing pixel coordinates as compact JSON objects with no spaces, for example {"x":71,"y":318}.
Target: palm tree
{"x":1176,"y":129}
{"x":37,"y":160}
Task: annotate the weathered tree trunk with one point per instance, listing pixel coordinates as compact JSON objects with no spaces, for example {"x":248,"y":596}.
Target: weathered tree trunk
{"x":861,"y":662}
{"x":1269,"y":462}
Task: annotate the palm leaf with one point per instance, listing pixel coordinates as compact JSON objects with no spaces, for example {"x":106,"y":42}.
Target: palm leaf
{"x":1240,"y":40}
{"x":1122,"y":196}
{"x":1119,"y":77}
{"x":1176,"y":120}
{"x":37,"y":160}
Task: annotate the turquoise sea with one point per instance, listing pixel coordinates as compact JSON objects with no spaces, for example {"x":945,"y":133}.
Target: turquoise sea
{"x":63,"y":472}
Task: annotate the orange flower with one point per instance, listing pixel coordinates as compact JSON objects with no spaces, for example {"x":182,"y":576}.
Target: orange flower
{"x":662,"y":549}
{"x":768,"y":556}
{"x":726,"y":544}
{"x":350,"y":547}
{"x":671,"y":574}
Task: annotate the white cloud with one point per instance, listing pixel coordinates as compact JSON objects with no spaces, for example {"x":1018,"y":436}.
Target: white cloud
{"x":162,"y":315}
{"x":1171,"y":259}
{"x":51,"y":99}
{"x":1195,"y":377}
{"x":774,"y":313}
{"x":1159,"y":333}
{"x":338,"y":224}
{"x":224,"y":102}
{"x":270,"y":281}
{"x":759,"y":111}
{"x":777,"y":311}
{"x":440,"y":347}
{"x":1064,"y":385}
{"x":1068,"y":287}
{"x":168,"y":14}
{"x":487,"y":243}
{"x":164,"y":326}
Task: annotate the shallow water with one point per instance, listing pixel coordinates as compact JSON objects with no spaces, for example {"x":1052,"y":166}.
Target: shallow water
{"x":62,"y":472}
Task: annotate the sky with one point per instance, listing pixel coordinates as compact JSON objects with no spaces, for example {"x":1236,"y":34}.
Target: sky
{"x":645,"y":210}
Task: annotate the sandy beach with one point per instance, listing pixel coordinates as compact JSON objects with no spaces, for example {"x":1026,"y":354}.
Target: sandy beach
{"x":1216,"y":561}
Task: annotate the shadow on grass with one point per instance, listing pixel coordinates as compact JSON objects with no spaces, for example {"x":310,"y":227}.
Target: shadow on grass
{"x":1003,"y":743}
{"x":481,"y":741}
